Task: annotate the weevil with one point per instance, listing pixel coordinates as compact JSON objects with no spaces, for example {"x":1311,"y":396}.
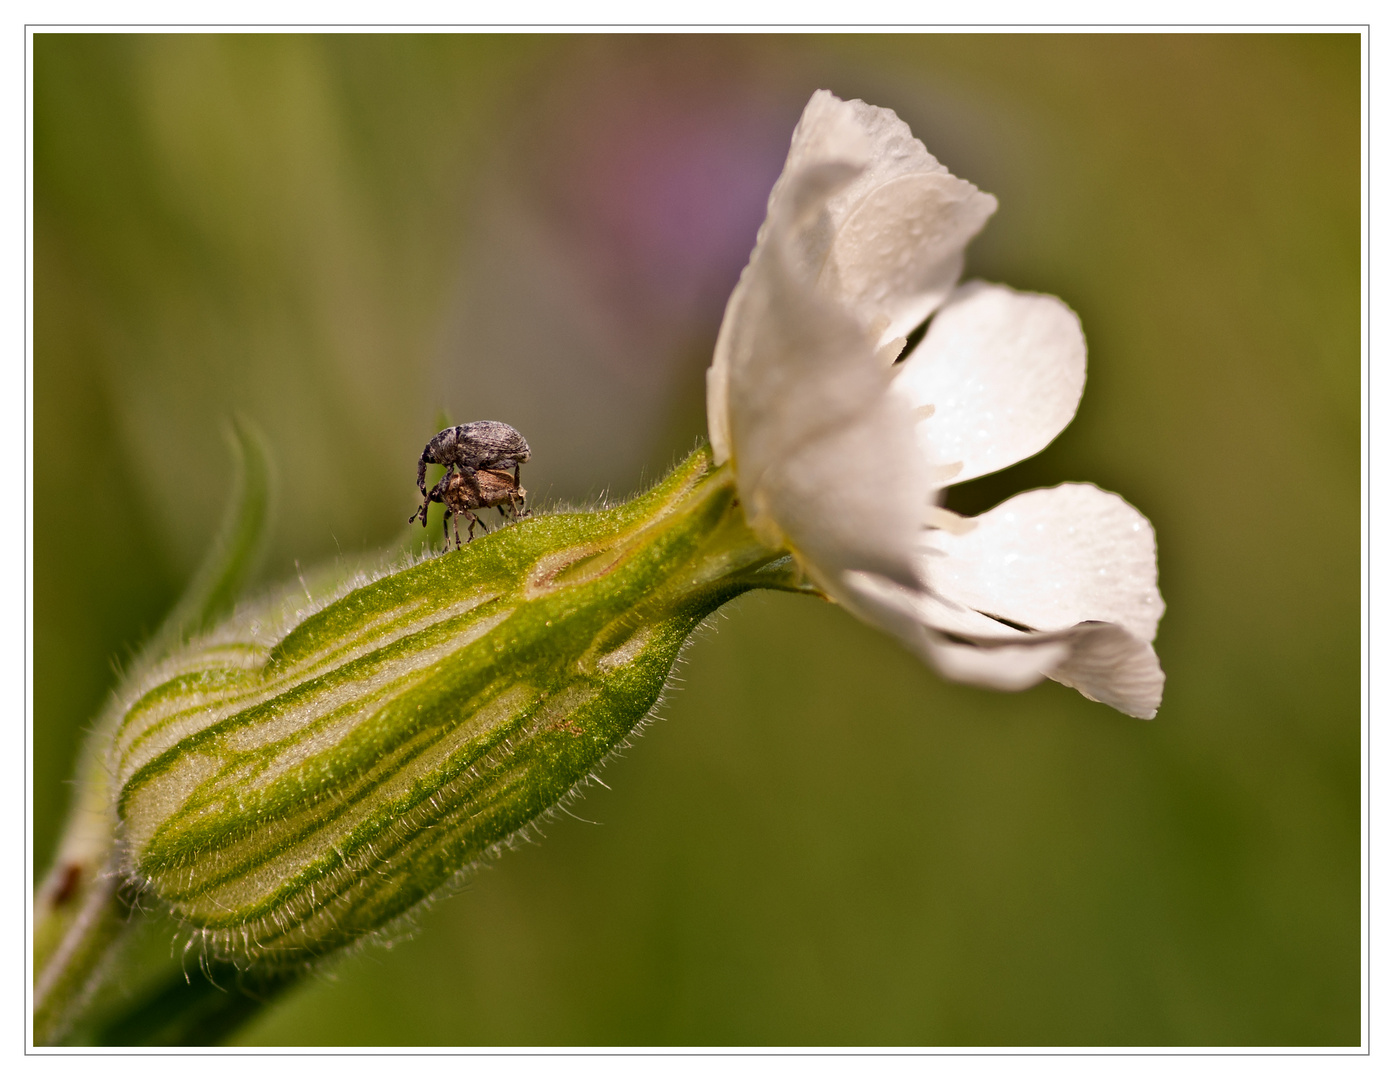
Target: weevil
{"x":463,"y":492}
{"x":484,"y":444}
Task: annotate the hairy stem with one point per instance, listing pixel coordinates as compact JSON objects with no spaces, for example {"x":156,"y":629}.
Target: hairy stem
{"x":79,"y":913}
{"x":81,"y":939}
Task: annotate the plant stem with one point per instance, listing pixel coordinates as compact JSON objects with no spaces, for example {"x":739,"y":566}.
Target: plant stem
{"x":82,"y":940}
{"x":201,"y":1009}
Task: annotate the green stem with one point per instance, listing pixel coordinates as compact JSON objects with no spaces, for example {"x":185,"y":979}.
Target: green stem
{"x":80,"y":937}
{"x":80,"y":916}
{"x":201,"y":1008}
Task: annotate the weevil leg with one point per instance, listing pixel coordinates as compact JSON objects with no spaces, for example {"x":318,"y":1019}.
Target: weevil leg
{"x":437,"y":494}
{"x":469,"y":476}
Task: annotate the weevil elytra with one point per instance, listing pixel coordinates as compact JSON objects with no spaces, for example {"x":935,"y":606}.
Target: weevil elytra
{"x":463,"y":492}
{"x":484,"y":444}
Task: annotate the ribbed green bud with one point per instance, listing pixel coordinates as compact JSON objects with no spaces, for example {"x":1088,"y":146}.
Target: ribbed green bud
{"x":286,"y":792}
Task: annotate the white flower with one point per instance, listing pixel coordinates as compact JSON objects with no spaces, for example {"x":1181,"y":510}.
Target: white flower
{"x":840,"y":452}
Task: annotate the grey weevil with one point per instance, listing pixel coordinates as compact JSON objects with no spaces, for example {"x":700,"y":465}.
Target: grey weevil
{"x":484,"y":444}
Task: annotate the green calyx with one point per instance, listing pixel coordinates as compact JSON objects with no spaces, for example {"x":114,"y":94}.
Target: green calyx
{"x":287,"y":793}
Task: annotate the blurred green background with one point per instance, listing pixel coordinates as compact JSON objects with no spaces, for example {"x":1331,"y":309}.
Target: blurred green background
{"x":820,"y":842}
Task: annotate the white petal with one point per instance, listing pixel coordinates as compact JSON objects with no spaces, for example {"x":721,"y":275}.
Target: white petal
{"x":893,"y":607}
{"x":828,"y":130}
{"x":780,"y":338}
{"x":829,"y":150}
{"x":899,"y":252}
{"x":998,"y":667}
{"x":1103,"y":661}
{"x":846,"y":498}
{"x":1052,"y":558}
{"x":864,"y":210}
{"x":892,"y":246}
{"x":1003,"y":370}
{"x":883,"y":150}
{"x":825,"y":457}
{"x":963,"y":645}
{"x":979,"y":652}
{"x":1110,"y":665}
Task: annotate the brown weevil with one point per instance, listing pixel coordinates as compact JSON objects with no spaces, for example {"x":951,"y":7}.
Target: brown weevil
{"x":484,"y":444}
{"x":463,"y":492}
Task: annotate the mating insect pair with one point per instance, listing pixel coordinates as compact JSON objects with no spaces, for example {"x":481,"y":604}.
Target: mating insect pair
{"x":477,"y":458}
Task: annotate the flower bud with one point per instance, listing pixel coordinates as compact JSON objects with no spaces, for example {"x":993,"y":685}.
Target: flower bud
{"x":286,"y":794}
